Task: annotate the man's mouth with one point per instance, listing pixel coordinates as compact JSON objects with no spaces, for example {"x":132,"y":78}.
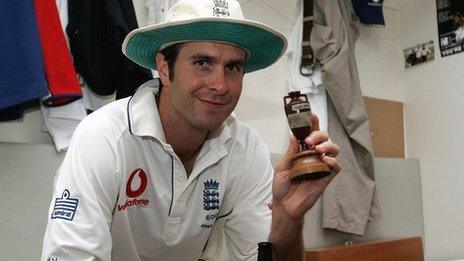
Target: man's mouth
{"x":213,"y":103}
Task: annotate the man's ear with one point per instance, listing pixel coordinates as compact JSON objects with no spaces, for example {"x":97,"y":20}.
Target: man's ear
{"x":162,"y":68}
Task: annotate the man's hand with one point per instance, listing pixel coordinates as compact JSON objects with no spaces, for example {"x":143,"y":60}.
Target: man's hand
{"x":296,"y":198}
{"x":291,"y":200}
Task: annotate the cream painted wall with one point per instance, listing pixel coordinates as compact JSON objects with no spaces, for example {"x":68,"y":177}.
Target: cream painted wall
{"x":380,"y":66}
{"x":25,"y":130}
{"x":434,"y":95}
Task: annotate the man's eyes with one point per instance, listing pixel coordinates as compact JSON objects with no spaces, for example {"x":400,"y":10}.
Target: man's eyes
{"x":234,"y":68}
{"x":204,"y":64}
{"x":201,"y":63}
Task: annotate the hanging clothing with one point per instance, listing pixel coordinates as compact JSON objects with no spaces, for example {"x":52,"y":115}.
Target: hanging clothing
{"x":310,"y":85}
{"x":295,"y":80}
{"x":93,"y":101}
{"x":62,"y":6}
{"x":60,"y":122}
{"x":21,"y":65}
{"x":350,"y":200}
{"x":96,"y":31}
{"x":369,"y":11}
{"x":61,"y":76}
{"x":157,"y":10}
{"x":12,"y":113}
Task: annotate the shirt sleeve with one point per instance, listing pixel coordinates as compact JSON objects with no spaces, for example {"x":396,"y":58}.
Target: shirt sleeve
{"x":236,"y":235}
{"x":85,"y":193}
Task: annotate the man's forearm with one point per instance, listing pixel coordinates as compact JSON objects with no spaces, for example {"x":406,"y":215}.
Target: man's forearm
{"x":286,"y":236}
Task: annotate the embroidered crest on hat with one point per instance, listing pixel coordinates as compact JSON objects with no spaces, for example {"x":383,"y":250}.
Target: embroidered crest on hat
{"x":65,"y":207}
{"x":221,"y":8}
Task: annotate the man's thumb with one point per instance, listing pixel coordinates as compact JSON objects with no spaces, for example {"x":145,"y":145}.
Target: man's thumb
{"x":287,"y":160}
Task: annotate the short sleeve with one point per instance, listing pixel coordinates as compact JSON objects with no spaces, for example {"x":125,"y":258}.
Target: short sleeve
{"x":85,"y":193}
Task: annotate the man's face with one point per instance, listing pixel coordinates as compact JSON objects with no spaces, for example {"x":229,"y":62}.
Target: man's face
{"x":206,"y":85}
{"x":456,"y":19}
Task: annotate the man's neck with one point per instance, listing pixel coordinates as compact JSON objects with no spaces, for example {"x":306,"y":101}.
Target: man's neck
{"x":186,"y":143}
{"x":185,"y":140}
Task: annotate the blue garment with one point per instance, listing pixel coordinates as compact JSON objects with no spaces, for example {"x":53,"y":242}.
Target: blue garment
{"x":369,"y":11}
{"x":21,"y":66}
{"x":12,"y":113}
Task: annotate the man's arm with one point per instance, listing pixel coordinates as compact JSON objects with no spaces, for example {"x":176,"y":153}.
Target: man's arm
{"x":85,"y":191}
{"x":286,"y":236}
{"x":291,"y":200}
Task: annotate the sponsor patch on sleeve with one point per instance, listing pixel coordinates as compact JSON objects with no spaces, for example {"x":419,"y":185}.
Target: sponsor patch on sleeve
{"x":65,"y":207}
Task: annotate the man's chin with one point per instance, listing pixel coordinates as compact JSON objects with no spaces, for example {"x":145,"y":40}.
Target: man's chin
{"x":211,"y":125}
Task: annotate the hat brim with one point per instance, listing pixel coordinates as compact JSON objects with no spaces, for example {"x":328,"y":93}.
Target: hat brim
{"x":263,"y":44}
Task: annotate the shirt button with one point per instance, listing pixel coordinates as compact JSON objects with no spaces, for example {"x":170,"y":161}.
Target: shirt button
{"x":183,"y":198}
{"x":175,"y":220}
{"x":180,"y":176}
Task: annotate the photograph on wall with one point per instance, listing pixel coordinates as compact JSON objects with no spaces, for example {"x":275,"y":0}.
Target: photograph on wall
{"x":419,"y":53}
{"x":450,"y":18}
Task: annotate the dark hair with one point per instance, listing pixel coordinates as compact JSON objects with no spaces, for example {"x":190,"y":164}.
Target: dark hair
{"x":170,"y":54}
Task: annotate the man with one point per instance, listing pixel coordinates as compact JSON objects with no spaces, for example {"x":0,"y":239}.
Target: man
{"x":425,"y":53}
{"x":458,"y":23}
{"x":169,"y":174}
{"x":412,"y":60}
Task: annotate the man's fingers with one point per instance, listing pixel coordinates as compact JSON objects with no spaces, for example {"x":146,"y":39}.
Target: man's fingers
{"x":316,"y":137}
{"x":328,"y":148}
{"x":333,"y":163}
{"x":293,"y":148}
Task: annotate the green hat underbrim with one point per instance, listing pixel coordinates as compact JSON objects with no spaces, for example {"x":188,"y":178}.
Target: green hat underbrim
{"x":263,"y":45}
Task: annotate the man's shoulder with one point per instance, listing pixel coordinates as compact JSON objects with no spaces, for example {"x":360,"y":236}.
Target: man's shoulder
{"x":239,"y":129}
{"x":243,"y":135}
{"x":109,"y":120}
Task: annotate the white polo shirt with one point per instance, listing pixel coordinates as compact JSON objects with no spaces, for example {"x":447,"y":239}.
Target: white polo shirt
{"x":122,"y":193}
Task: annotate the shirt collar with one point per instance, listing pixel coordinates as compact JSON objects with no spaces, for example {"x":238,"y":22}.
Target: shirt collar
{"x":143,"y":114}
{"x":144,"y":120}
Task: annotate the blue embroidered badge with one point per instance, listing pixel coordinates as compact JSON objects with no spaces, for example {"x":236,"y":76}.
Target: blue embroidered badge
{"x":211,"y":195}
{"x":65,"y":207}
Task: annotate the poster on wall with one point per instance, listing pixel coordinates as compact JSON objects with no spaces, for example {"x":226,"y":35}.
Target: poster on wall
{"x":450,"y":18}
{"x":418,"y":54}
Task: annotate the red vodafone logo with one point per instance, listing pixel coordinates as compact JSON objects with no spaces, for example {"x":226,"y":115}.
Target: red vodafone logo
{"x":133,"y":193}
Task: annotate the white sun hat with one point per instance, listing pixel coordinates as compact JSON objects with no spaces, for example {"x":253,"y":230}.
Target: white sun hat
{"x":207,"y":20}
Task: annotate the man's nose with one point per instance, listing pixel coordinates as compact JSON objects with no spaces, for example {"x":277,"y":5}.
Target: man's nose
{"x":219,"y":82}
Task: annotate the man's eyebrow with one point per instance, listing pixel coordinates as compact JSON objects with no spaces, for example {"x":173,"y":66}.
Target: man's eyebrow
{"x":202,"y":56}
{"x":207,"y":57}
{"x":238,"y":62}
